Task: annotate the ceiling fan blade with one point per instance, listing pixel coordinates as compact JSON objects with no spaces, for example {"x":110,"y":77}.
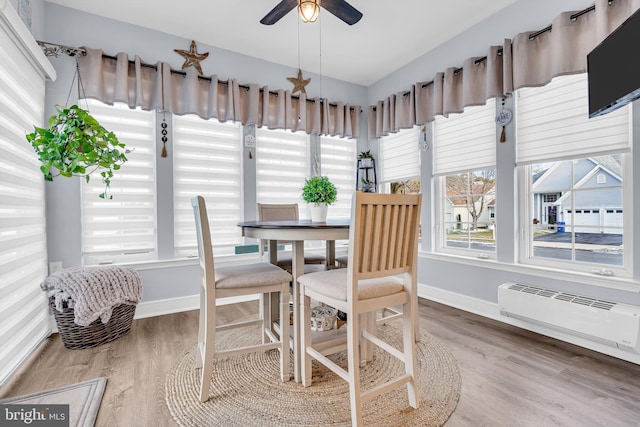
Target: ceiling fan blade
{"x":342,"y":10}
{"x":278,"y":12}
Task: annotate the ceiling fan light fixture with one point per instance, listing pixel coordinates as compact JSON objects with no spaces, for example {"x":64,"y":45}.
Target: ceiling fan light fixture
{"x":309,"y":10}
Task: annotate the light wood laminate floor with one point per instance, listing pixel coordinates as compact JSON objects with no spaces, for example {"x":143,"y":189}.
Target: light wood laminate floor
{"x":510,"y":377}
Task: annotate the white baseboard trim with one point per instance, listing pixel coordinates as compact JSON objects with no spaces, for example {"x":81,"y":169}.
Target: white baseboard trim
{"x":180,"y":304}
{"x":463,"y":302}
{"x":488,"y":309}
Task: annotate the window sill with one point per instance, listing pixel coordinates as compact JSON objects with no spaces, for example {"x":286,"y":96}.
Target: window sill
{"x":182,"y":262}
{"x":617,"y":283}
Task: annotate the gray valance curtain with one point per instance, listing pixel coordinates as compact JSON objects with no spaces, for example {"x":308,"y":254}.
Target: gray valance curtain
{"x":529,"y":59}
{"x":158,"y":87}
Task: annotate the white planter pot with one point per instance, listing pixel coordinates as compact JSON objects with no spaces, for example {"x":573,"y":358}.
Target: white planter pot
{"x":318,"y":212}
{"x":366,"y":162}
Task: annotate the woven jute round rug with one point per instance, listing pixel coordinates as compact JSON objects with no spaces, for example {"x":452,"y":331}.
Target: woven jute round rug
{"x":246,"y":390}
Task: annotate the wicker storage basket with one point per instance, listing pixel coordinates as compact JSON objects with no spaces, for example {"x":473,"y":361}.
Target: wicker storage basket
{"x":77,"y":337}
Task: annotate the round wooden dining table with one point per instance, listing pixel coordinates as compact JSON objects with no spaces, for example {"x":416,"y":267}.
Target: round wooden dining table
{"x":297,"y":231}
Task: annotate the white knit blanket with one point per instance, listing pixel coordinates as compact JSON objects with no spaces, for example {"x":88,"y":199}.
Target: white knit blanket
{"x":93,"y":292}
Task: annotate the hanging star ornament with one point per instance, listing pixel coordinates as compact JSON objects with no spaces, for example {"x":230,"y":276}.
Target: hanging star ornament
{"x":299,"y":83}
{"x":192,"y":57}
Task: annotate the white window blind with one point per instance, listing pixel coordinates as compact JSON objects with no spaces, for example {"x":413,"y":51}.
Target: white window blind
{"x":399,"y":155}
{"x":24,"y":316}
{"x":282,"y":165}
{"x":338,"y":162}
{"x":122,"y":229}
{"x":553,"y":124}
{"x":465,"y":141}
{"x":207,"y":162}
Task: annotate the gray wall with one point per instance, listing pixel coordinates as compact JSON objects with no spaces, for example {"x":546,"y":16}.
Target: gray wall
{"x":73,"y":28}
{"x":521,"y":16}
{"x":474,"y":279}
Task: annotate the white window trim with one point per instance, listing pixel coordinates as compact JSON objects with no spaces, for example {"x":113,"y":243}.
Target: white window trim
{"x":440,"y":229}
{"x":188,"y":132}
{"x":525,"y":255}
{"x":617,"y":283}
{"x":346,"y":187}
{"x":120,"y":187}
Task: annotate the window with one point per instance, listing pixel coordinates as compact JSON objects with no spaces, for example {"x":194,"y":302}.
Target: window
{"x":468,"y":211}
{"x":573,"y":173}
{"x":282,"y":166}
{"x":602,"y":178}
{"x":207,"y":158}
{"x":338,"y":160}
{"x":400,"y":161}
{"x":464,"y":164}
{"x":124,"y":228}
{"x":23,"y":247}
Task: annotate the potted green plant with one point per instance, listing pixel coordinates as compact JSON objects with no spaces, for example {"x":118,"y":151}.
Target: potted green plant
{"x":319,"y":193}
{"x":75,"y":144}
{"x":366,"y":159}
{"x":367,"y":186}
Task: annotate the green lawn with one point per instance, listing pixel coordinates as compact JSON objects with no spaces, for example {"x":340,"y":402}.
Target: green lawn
{"x":479,"y":235}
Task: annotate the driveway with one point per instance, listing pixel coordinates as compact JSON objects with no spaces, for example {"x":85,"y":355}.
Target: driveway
{"x":583,"y":238}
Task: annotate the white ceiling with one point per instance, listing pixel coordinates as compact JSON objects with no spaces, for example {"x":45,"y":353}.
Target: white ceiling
{"x":390,"y":34}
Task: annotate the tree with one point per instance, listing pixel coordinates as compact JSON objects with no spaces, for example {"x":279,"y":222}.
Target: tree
{"x":472,"y":190}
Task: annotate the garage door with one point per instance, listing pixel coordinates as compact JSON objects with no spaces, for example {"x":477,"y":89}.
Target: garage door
{"x":613,"y":221}
{"x":605,"y":220}
{"x":584,"y":220}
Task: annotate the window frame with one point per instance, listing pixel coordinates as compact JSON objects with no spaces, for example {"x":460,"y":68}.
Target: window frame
{"x":525,"y":255}
{"x":403,"y":134}
{"x":300,"y":138}
{"x":581,"y":151}
{"x":200,"y":132}
{"x":482,"y":163}
{"x":89,"y":191}
{"x":441,"y":229}
{"x":343,"y":201}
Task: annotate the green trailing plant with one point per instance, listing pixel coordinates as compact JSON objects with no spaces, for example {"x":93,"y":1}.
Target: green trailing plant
{"x":75,"y":144}
{"x":319,"y":190}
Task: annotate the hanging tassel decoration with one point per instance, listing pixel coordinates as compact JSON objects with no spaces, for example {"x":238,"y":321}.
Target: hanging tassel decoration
{"x":503,"y":119}
{"x":164,"y":138}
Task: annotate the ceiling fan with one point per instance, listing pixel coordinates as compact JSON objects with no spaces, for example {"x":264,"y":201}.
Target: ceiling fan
{"x":340,"y":8}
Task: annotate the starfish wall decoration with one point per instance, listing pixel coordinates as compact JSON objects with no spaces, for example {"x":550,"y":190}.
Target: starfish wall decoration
{"x":299,"y":83}
{"x":192,"y":57}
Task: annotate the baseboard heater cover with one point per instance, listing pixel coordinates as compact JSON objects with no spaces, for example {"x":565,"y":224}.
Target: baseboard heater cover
{"x":610,"y":323}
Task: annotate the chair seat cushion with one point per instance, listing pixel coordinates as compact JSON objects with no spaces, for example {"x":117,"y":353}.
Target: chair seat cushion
{"x":246,"y":276}
{"x":333,"y":284}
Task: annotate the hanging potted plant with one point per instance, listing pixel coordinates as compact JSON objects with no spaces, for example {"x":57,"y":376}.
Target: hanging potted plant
{"x":319,"y":193}
{"x":75,"y":144}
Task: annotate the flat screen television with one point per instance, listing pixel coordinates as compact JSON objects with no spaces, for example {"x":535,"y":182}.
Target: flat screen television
{"x":614,"y":68}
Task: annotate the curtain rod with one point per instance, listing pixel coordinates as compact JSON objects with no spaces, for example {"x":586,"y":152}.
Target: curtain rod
{"x":54,"y":49}
{"x":531,"y":37}
{"x":572,"y":18}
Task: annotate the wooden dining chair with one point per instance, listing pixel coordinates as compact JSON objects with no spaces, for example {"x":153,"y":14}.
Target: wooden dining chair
{"x":383,"y":245}
{"x":285,"y":212}
{"x":388,"y":313}
{"x":258,"y":278}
